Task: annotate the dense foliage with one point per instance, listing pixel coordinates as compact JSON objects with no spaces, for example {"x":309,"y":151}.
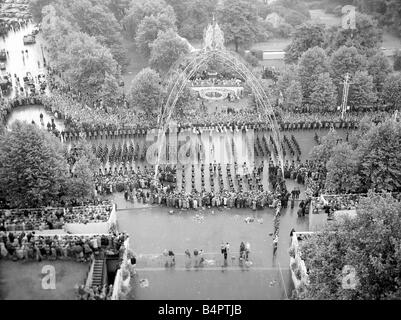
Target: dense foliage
{"x":36,"y":171}
{"x":146,"y":91}
{"x":368,"y":244}
{"x":370,"y":160}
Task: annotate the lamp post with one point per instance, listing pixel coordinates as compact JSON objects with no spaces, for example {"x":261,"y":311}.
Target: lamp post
{"x":344,"y":108}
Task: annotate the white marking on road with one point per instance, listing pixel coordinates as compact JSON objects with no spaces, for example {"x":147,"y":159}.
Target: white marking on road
{"x":222,"y":268}
{"x":282,"y":279}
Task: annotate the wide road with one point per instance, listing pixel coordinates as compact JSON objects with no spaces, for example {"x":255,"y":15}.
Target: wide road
{"x":18,"y":63}
{"x":153,"y":230}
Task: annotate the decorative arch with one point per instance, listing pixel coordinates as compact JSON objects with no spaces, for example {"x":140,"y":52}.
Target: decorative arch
{"x":186,"y":67}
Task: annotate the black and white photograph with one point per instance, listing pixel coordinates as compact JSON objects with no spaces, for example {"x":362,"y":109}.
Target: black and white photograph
{"x":200,"y":150}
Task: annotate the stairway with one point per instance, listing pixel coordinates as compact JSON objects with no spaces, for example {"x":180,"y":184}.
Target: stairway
{"x":97,"y":277}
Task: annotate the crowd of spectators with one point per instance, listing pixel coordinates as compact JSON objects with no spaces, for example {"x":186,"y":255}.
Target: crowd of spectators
{"x":214,"y":82}
{"x":51,"y":218}
{"x":335,"y":202}
{"x":95,"y":293}
{"x":96,"y":119}
{"x":30,"y":246}
{"x":88,"y":214}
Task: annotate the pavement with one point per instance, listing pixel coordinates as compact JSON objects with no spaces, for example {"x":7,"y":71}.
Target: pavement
{"x":18,"y":63}
{"x":154,"y":229}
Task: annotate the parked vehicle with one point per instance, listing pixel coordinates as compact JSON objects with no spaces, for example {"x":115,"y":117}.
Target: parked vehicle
{"x":29,"y":39}
{"x":3,"y":55}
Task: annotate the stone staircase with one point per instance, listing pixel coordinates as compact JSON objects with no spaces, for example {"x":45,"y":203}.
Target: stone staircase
{"x":98,"y":269}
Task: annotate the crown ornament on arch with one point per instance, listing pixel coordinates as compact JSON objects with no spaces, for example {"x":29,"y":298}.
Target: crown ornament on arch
{"x":214,"y":37}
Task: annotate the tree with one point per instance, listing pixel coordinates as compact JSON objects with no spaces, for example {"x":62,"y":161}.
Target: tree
{"x":84,"y":164}
{"x":148,"y":30}
{"x":397,"y":60}
{"x":365,"y":37}
{"x":306,"y":36}
{"x":239,"y":22}
{"x":36,"y":7}
{"x":380,"y":156}
{"x":166,"y":49}
{"x":142,"y":8}
{"x":346,"y":60}
{"x":198,"y":14}
{"x":379,"y":67}
{"x":289,"y":74}
{"x":33,"y":170}
{"x":185,"y":103}
{"x":369,"y":243}
{"x":361,"y":90}
{"x":321,"y":153}
{"x":294,"y":18}
{"x":312,"y":63}
{"x":323,"y":96}
{"x":392,"y":90}
{"x":181,"y":9}
{"x":145,"y":91}
{"x":87,"y":65}
{"x":55,"y":29}
{"x":293,"y":96}
{"x":387,"y":12}
{"x":251,"y":60}
{"x":95,"y":19}
{"x":118,"y":7}
{"x":342,"y":170}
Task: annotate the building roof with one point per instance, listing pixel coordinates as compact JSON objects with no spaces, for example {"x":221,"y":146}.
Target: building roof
{"x":273,"y":55}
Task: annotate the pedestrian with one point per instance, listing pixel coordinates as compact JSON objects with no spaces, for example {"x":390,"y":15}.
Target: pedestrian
{"x":292,"y":232}
{"x":247,"y":250}
{"x":241,"y":250}
{"x":201,"y":259}
{"x":171,"y":256}
{"x":275,"y":242}
{"x":226,"y":249}
{"x":222,"y":246}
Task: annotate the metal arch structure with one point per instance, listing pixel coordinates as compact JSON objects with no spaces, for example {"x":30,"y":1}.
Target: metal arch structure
{"x":190,"y":65}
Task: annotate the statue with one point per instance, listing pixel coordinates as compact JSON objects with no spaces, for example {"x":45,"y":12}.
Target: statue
{"x":214,"y":37}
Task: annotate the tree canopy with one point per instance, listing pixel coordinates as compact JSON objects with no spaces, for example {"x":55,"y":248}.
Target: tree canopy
{"x":373,"y":161}
{"x":306,"y":36}
{"x":392,"y":90}
{"x":148,"y":30}
{"x":368,"y":244}
{"x":346,"y":59}
{"x":142,"y":8}
{"x":366,"y":37}
{"x":146,"y":91}
{"x":379,"y":68}
{"x":34,"y":171}
{"x":196,"y":16}
{"x":166,"y":49}
{"x":323,"y":96}
{"x":239,"y":22}
{"x":86,"y":64}
{"x":312,"y":63}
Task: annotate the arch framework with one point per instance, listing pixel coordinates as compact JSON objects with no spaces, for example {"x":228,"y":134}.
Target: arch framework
{"x":186,"y":67}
